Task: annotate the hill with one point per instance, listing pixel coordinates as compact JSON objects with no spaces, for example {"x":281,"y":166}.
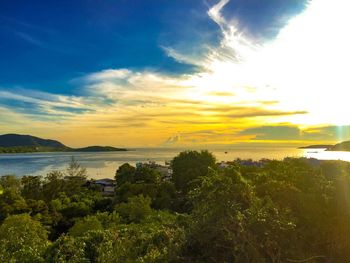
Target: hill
{"x":343,"y":146}
{"x":17,"y":143}
{"x":16,"y":140}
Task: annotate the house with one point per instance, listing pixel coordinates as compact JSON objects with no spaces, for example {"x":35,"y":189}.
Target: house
{"x":106,"y":185}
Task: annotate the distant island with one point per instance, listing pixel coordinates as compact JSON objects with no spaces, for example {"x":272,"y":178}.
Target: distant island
{"x":99,"y":149}
{"x":17,"y":143}
{"x":343,"y":146}
{"x":317,"y":146}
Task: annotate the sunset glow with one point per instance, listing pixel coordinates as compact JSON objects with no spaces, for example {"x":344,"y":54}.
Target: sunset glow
{"x":243,"y":90}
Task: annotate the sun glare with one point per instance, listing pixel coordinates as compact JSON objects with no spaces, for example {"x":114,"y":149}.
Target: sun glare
{"x":304,"y":68}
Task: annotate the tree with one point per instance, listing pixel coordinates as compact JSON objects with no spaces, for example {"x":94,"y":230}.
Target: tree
{"x":22,"y":240}
{"x":108,"y":220}
{"x":32,"y":187}
{"x":39,"y":210}
{"x":136,"y":209}
{"x":11,"y":202}
{"x":166,"y":196}
{"x":53,"y":185}
{"x":158,"y":238}
{"x":74,"y":169}
{"x":147,"y":175}
{"x":218,"y":231}
{"x":124,"y":174}
{"x":143,"y":180}
{"x":66,"y":249}
{"x":10,"y":182}
{"x":82,"y":226}
{"x":188,"y":166}
{"x":70,"y":182}
{"x":67,"y":209}
{"x":302,"y":188}
{"x":75,"y":178}
{"x":229,"y":223}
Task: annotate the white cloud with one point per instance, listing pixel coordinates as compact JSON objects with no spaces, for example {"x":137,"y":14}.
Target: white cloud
{"x":215,"y":14}
{"x":303,"y":70}
{"x":191,"y":59}
{"x":108,"y":74}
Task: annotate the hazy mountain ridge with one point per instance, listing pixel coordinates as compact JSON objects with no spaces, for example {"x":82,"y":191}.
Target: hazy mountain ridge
{"x":317,"y":146}
{"x":17,"y":143}
{"x":343,"y":146}
{"x":18,"y":140}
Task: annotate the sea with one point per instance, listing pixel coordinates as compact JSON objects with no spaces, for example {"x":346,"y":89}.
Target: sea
{"x":104,"y":164}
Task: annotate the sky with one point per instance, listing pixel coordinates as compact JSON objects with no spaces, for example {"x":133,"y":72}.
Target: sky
{"x":184,"y":73}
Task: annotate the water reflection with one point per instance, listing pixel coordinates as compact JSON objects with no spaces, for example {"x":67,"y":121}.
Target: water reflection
{"x":104,"y":164}
{"x":322,"y":154}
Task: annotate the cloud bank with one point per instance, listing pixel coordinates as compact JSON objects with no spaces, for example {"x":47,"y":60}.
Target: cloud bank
{"x":295,"y":82}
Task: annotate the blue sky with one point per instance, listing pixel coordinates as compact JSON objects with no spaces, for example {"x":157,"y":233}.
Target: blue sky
{"x":45,"y":44}
{"x":178,"y":72}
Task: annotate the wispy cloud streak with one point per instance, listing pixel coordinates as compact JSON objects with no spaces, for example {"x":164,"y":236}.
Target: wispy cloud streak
{"x":298,"y":79}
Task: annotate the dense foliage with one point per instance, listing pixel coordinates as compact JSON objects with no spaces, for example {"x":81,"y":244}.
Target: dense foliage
{"x":295,"y":210}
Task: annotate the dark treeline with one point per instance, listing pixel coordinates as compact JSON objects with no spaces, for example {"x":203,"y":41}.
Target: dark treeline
{"x":25,"y":149}
{"x":33,"y":149}
{"x":295,"y":210}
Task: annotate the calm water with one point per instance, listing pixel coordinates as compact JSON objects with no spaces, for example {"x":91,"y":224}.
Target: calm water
{"x":104,"y":164}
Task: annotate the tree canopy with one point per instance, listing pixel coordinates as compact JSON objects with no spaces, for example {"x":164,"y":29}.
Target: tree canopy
{"x":188,"y":166}
{"x":291,"y":210}
{"x":22,"y":239}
